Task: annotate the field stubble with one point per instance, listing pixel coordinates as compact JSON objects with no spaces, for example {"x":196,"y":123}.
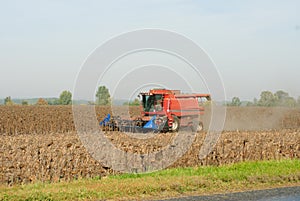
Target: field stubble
{"x":40,"y":143}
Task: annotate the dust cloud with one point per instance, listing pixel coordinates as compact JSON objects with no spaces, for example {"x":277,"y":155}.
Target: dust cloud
{"x":257,"y":118}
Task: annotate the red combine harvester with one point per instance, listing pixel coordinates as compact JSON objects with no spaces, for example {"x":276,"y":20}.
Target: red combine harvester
{"x":162,"y":110}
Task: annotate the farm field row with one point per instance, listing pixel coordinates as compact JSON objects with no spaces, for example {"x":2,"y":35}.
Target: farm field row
{"x":15,"y":120}
{"x":57,"y":157}
{"x":39,"y":143}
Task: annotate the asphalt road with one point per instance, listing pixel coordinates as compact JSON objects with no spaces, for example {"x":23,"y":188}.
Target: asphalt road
{"x":276,"y":194}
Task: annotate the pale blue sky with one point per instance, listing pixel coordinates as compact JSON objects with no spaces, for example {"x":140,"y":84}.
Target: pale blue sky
{"x":255,"y":44}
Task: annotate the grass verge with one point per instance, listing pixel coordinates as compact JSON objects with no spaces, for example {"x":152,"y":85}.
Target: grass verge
{"x":165,"y":183}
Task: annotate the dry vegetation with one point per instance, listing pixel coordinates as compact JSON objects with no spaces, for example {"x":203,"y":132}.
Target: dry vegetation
{"x":15,"y":120}
{"x":173,"y":182}
{"x":39,"y":143}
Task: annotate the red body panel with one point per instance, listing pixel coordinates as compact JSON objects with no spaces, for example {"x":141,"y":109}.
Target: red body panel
{"x":184,"y":106}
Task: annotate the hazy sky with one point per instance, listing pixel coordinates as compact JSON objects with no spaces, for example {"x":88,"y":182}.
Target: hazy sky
{"x":254,"y":44}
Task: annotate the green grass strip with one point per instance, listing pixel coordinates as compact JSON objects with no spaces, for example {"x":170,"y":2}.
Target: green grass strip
{"x":164,"y":183}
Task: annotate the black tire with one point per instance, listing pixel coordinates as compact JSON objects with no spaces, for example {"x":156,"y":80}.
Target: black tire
{"x":175,"y":124}
{"x":163,"y":126}
{"x":197,"y":126}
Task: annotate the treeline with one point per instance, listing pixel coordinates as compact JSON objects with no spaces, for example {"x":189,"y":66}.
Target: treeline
{"x":135,"y":102}
{"x":65,"y":98}
{"x":268,"y":99}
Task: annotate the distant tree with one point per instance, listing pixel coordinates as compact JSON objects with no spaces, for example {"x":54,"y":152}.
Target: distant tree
{"x":103,"y":96}
{"x":54,"y":101}
{"x":255,"y":102}
{"x":267,"y":99}
{"x":281,"y":95}
{"x":235,"y":101}
{"x":281,"y":98}
{"x":8,"y":101}
{"x":24,"y":102}
{"x":290,"y":102}
{"x":91,"y":103}
{"x":135,"y":102}
{"x":65,"y":98}
{"x":249,"y":103}
{"x":298,"y":101}
{"x":41,"y":101}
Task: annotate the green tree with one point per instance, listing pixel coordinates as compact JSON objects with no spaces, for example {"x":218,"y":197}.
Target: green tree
{"x":298,"y":101}
{"x":267,"y":99}
{"x":103,"y":96}
{"x":8,"y":101}
{"x":65,"y":98}
{"x":281,"y":95}
{"x":249,"y":103}
{"x":54,"y":101}
{"x":24,"y":102}
{"x":235,"y":101}
{"x":290,"y":102}
{"x":281,"y":98}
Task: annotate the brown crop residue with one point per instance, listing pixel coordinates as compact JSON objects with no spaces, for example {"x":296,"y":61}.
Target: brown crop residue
{"x":40,"y":143}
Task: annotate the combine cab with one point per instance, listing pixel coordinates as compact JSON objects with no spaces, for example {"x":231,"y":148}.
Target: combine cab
{"x":162,"y":110}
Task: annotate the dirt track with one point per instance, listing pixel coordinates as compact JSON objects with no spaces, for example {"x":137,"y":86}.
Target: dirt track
{"x":39,"y":143}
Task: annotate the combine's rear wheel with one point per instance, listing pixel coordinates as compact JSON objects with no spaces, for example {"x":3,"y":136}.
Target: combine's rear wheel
{"x":175,"y":124}
{"x":197,"y":126}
